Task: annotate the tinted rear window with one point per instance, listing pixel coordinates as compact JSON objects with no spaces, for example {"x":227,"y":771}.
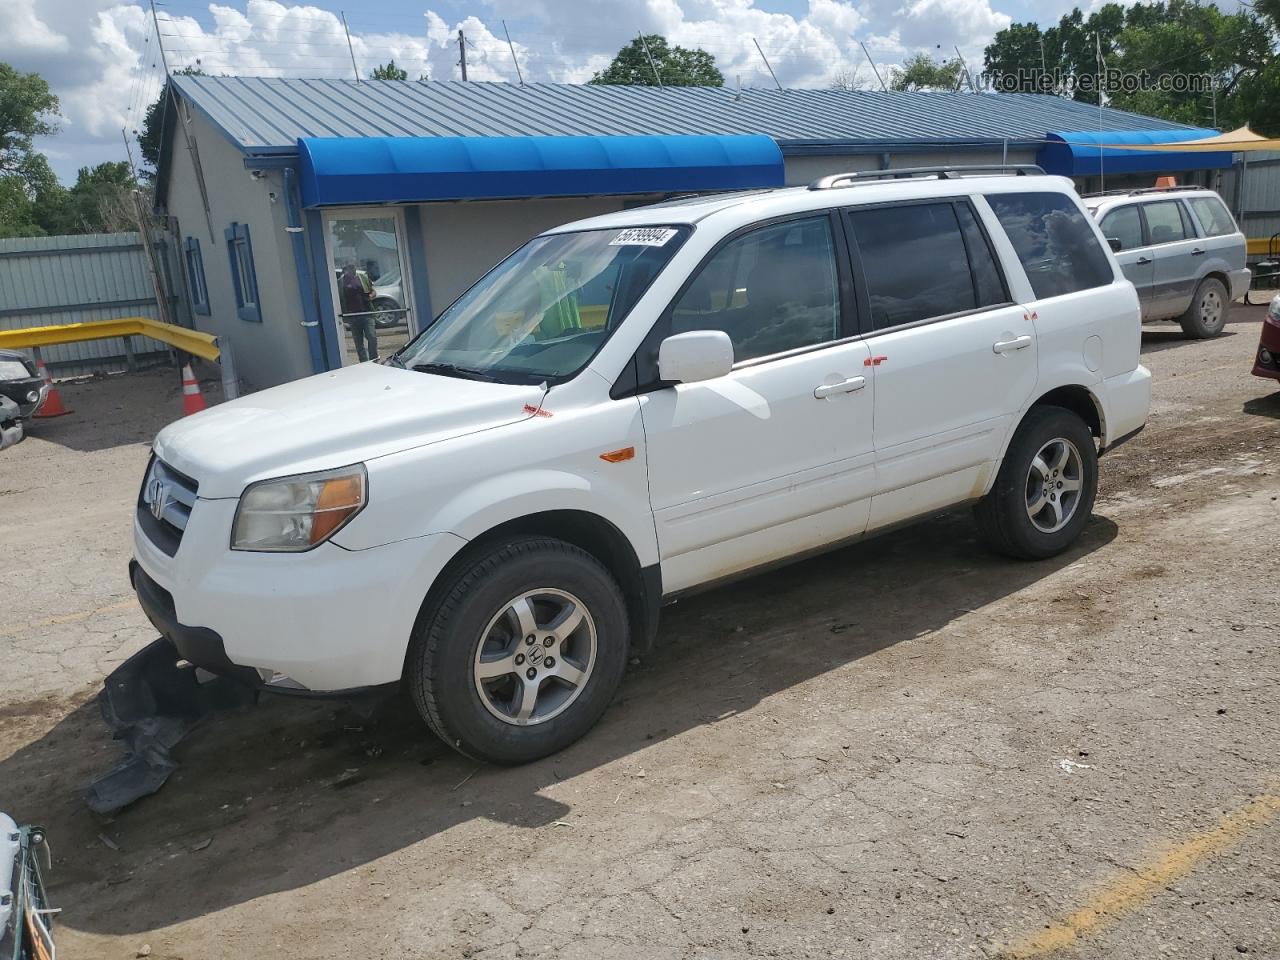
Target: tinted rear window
{"x":1055,"y":242}
{"x":916,"y":260}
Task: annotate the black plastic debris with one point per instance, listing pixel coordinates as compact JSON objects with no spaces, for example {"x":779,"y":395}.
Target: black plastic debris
{"x":150,"y":702}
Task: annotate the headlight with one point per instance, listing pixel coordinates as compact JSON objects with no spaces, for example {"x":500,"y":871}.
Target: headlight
{"x":13,"y":370}
{"x":300,"y":512}
{"x":1273,"y":313}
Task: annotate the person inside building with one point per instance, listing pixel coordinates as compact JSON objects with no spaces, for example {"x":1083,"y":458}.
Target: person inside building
{"x":357,"y":311}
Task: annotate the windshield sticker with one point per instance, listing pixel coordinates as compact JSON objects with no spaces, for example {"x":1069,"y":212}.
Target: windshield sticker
{"x":643,"y":237}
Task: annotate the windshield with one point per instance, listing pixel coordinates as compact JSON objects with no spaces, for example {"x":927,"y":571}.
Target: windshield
{"x":542,"y":313}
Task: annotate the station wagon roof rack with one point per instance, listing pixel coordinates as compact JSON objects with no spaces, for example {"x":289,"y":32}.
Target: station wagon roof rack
{"x":1133,"y":191}
{"x":942,"y":173}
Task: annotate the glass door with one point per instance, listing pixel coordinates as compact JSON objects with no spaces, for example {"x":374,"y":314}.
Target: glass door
{"x":369,"y":283}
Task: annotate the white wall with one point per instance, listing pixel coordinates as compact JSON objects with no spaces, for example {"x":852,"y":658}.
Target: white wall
{"x":275,"y":350}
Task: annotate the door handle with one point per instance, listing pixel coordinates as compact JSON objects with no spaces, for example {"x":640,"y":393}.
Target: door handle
{"x":844,"y":386}
{"x":1197,"y":252}
{"x":1142,"y":261}
{"x":1007,"y":346}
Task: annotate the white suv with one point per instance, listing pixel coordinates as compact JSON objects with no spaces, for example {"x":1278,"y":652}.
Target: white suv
{"x":633,"y":406}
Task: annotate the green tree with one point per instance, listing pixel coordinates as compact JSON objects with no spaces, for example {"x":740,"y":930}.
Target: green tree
{"x":26,"y":111}
{"x":677,"y":66}
{"x":922,"y":72}
{"x":388,"y":71}
{"x":150,"y":137}
{"x":97,"y":203}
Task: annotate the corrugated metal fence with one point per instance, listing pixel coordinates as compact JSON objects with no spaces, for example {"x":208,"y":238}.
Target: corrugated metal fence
{"x":73,"y":279}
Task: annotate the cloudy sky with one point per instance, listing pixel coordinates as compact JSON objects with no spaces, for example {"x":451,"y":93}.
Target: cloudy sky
{"x":101,"y":56}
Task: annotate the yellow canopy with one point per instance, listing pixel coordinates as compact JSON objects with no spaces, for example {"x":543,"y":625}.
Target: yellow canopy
{"x":1242,"y":140}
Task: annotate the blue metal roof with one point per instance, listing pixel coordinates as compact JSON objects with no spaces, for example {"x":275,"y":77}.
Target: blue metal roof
{"x":264,"y":115}
{"x":1078,"y":154}
{"x":352,"y":170}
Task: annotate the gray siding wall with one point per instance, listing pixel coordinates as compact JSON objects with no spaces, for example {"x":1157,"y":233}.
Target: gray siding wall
{"x":47,"y":281}
{"x":274,"y":350}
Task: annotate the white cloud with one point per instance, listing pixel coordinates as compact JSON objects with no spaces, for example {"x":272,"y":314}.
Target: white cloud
{"x":97,"y":58}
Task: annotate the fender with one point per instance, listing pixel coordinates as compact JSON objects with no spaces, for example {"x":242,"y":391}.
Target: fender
{"x":1079,"y":379}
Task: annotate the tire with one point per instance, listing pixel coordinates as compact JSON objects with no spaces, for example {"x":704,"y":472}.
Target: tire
{"x":388,"y":313}
{"x":1005,"y":514}
{"x":471,"y":630}
{"x":1207,"y":314}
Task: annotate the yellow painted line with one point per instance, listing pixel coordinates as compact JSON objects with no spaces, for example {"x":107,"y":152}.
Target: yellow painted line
{"x":1126,"y":892}
{"x":191,"y":341}
{"x":67,"y":618}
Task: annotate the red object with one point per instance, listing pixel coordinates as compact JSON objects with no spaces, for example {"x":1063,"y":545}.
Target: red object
{"x":533,"y":411}
{"x":192,"y":398}
{"x":1266,"y":362}
{"x":874,"y":361}
{"x":53,"y":405}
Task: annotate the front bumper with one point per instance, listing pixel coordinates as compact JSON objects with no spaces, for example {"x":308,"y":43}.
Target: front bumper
{"x":20,"y":390}
{"x":329,"y":620}
{"x":1266,"y":362}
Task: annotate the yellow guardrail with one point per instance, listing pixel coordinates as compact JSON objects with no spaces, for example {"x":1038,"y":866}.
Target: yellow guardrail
{"x":194,"y":342}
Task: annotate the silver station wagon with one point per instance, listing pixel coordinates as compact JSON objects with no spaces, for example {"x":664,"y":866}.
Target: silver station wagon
{"x":1181,"y":248}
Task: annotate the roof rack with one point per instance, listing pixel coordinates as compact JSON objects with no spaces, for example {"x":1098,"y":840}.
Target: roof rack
{"x":942,"y":173}
{"x":1123,"y":192}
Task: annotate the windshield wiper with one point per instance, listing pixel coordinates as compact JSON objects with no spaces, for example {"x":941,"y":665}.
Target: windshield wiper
{"x":453,"y":370}
{"x":394,"y":360}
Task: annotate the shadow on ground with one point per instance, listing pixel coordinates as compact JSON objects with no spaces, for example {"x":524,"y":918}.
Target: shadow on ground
{"x":1268,"y":406}
{"x":289,"y":793}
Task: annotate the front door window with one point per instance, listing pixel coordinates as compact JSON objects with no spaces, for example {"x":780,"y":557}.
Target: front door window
{"x":368,"y":283}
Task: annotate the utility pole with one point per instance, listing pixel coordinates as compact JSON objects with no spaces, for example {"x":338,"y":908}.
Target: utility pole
{"x":462,"y":55}
{"x":652,"y":66}
{"x":512,"y":46}
{"x":1044,"y":70}
{"x":874,"y":69}
{"x":766,"y":63}
{"x":350,"y":49}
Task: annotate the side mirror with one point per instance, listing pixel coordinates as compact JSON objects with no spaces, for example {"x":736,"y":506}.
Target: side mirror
{"x":1115,"y":244}
{"x":694,"y":356}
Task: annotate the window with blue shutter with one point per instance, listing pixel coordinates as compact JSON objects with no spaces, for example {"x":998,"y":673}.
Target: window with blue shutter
{"x":244,"y":279}
{"x":195,"y":276}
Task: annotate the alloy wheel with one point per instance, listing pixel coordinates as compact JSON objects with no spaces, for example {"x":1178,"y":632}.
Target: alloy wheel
{"x":1053,"y":485}
{"x":535,"y":657}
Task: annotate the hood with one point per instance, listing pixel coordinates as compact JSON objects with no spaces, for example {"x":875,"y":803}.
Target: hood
{"x":331,"y":420}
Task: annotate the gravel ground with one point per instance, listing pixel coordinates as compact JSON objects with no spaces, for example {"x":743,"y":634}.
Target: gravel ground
{"x":904,"y":749}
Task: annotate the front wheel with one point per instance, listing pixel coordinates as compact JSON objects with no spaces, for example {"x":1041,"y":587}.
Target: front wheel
{"x":1044,"y":492}
{"x":1207,"y":314}
{"x":523,"y":652}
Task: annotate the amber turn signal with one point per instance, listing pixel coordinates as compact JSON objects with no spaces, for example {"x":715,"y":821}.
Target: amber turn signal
{"x":617,"y":456}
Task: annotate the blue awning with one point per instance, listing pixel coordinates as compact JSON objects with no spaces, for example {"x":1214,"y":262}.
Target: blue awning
{"x":342,"y":170}
{"x":1078,"y":154}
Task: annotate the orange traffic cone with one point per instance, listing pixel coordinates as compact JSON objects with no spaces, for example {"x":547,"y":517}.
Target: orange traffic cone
{"x":53,"y":405}
{"x":192,"y":399}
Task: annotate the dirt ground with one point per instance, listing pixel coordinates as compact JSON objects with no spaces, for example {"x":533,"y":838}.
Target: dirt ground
{"x":905,"y":749}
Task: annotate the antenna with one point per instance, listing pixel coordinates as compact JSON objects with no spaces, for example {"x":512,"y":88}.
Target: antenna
{"x":652,"y":65}
{"x":967,"y":75}
{"x":1102,"y":172}
{"x":462,"y":55}
{"x":873,"y":66}
{"x":512,"y":46}
{"x":350,"y":49}
{"x":1044,"y":71}
{"x":766,"y":62}
{"x":159,"y":40}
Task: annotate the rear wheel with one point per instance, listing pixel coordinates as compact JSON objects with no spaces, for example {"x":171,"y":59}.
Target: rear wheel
{"x":522,"y":654}
{"x":1207,"y":314}
{"x":1045,"y":489}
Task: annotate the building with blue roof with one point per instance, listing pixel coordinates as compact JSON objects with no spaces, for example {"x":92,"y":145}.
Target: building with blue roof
{"x":283,"y":189}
